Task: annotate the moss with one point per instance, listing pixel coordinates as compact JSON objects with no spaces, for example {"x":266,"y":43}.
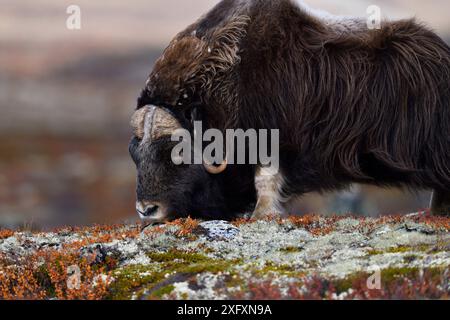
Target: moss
{"x":184,"y":296}
{"x":343,"y":285}
{"x":403,"y":249}
{"x":213,"y":267}
{"x":391,"y":274}
{"x":270,"y":267}
{"x":374,"y":252}
{"x":192,"y":262}
{"x":163,"y":291}
{"x":172,"y":255}
{"x":400,"y":249}
{"x":130,"y":278}
{"x":291,"y":249}
{"x":139,"y":279}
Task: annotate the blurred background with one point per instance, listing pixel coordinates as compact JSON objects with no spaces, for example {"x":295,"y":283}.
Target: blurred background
{"x":66,"y":97}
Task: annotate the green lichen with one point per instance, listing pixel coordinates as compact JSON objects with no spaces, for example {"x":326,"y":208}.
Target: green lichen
{"x":210,"y":266}
{"x":137,"y":280}
{"x":130,"y":278}
{"x":391,"y":274}
{"x":403,"y":249}
{"x":291,"y":249}
{"x":161,"y":292}
{"x":273,"y":268}
{"x":374,"y":252}
{"x":173,"y":255}
{"x":400,"y":249}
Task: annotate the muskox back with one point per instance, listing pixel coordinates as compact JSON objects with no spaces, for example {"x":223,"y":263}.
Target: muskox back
{"x":351,"y":103}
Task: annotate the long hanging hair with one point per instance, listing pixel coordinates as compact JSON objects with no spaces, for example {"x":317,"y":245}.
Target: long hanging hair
{"x":365,"y":105}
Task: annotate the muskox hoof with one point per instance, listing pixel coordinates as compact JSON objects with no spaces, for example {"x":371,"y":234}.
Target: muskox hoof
{"x":265,"y":215}
{"x":265,"y":212}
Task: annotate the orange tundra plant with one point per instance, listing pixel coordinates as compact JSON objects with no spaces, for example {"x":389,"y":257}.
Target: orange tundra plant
{"x":187,"y":226}
{"x":44,"y":275}
{"x":6,"y":234}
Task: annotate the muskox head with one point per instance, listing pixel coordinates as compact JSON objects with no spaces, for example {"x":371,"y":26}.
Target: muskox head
{"x":193,"y":80}
{"x":166,"y":191}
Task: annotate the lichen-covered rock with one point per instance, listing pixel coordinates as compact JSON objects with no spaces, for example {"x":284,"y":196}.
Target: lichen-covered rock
{"x":218,"y":230}
{"x":307,"y":257}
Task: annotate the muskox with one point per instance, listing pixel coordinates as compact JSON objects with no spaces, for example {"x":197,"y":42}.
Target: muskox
{"x":353,"y":105}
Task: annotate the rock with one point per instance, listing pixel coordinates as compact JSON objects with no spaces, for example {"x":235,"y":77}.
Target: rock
{"x":95,"y":254}
{"x":347,"y":224}
{"x":419,"y":227}
{"x":218,"y":230}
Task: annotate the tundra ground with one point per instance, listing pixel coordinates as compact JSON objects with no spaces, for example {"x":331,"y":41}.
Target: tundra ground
{"x":308,"y":257}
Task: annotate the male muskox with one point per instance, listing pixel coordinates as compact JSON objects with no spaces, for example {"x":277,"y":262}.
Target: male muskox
{"x":353,"y":106}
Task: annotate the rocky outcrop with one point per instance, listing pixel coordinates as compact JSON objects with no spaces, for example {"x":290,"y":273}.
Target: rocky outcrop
{"x":305,"y":257}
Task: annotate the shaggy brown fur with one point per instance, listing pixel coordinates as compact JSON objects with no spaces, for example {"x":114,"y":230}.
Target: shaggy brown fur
{"x":352,"y":105}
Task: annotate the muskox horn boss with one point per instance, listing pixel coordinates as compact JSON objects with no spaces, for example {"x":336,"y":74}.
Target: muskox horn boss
{"x":152,"y":122}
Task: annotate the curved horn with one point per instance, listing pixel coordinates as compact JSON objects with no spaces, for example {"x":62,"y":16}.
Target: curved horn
{"x":215,"y":169}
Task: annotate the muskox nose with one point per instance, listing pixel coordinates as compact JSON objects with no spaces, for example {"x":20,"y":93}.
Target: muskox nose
{"x":146,"y":209}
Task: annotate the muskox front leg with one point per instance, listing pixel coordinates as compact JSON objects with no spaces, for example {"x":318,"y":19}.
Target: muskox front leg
{"x":440,"y":203}
{"x":269,"y":185}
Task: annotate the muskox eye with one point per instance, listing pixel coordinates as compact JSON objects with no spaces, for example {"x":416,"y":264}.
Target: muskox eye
{"x":188,"y":115}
